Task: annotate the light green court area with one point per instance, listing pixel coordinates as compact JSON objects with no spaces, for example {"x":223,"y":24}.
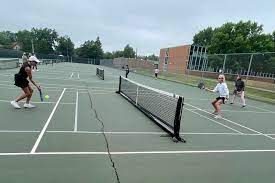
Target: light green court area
{"x":62,"y":140}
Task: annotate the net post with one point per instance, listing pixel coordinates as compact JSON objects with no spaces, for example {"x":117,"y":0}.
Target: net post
{"x":178,"y":119}
{"x":119,"y":86}
{"x":103,"y":75}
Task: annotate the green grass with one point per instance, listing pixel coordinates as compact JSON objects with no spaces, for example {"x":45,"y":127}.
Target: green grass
{"x":251,"y":92}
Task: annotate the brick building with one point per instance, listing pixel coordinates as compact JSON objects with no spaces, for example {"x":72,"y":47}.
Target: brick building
{"x":179,"y":59}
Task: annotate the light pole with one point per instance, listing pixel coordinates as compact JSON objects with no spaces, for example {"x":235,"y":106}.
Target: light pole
{"x":67,"y":51}
{"x":32,"y":46}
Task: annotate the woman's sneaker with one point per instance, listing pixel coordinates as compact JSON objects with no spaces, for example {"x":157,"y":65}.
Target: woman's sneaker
{"x":29,"y":106}
{"x":218,"y":117}
{"x":15,"y":105}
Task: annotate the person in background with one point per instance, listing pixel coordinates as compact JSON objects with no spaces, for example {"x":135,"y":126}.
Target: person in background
{"x":33,"y":59}
{"x":24,"y":58}
{"x":127,"y":71}
{"x":223,"y":91}
{"x":239,"y":90}
{"x":156,"y":72}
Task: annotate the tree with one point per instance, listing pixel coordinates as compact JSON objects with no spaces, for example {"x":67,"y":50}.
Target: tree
{"x":86,"y":49}
{"x":7,"y":38}
{"x":24,"y":38}
{"x":44,"y":40}
{"x":91,"y":49}
{"x":108,"y":55}
{"x":273,"y":36}
{"x":98,"y":49}
{"x":204,"y":37}
{"x":129,"y":52}
{"x":239,"y":38}
{"x":235,"y":38}
{"x":118,"y":54}
{"x":153,"y":57}
{"x":65,"y":46}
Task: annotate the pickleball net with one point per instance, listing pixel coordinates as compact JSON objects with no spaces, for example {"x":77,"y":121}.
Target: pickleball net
{"x":164,"y":108}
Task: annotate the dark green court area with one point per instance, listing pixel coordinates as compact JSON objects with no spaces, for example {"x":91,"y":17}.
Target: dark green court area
{"x":62,"y":140}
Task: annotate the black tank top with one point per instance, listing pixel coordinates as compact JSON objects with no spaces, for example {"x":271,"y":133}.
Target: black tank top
{"x":22,"y":71}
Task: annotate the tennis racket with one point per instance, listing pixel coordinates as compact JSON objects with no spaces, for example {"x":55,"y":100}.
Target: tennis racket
{"x":40,"y":94}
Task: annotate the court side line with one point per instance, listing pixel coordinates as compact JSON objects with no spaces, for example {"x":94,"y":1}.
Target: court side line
{"x":17,"y":89}
{"x":215,"y":121}
{"x":237,"y":103}
{"x":47,"y":123}
{"x":130,"y":133}
{"x":257,"y":112}
{"x":52,"y":84}
{"x":233,"y":122}
{"x":19,"y":131}
{"x":142,"y":133}
{"x":141,"y":152}
{"x":62,"y":103}
{"x":76,"y":112}
{"x":257,"y":107}
{"x":72,"y":75}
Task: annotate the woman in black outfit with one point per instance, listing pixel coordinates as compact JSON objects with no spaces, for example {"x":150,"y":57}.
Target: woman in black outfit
{"x":239,"y":90}
{"x":127,"y":71}
{"x":21,"y":81}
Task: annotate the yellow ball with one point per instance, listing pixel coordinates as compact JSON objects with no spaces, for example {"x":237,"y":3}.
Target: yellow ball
{"x":47,"y":96}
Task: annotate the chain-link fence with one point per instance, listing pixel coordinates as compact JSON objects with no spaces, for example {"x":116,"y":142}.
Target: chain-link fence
{"x":134,"y":64}
{"x":47,"y":58}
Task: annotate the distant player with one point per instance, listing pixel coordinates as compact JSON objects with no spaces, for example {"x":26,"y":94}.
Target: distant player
{"x":127,"y":71}
{"x":156,"y":73}
{"x":33,"y":59}
{"x":223,"y":91}
{"x":239,"y":90}
{"x":24,"y":58}
{"x":21,"y":81}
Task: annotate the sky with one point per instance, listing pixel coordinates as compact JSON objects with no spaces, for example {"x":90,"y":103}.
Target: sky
{"x":147,"y":25}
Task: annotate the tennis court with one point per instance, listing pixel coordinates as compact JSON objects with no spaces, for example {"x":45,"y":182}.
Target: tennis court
{"x":61,"y":140}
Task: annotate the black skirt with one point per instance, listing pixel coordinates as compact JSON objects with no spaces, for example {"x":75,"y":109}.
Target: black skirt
{"x":20,"y":81}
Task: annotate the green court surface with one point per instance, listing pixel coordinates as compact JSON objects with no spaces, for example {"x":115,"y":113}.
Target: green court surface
{"x":61,"y":140}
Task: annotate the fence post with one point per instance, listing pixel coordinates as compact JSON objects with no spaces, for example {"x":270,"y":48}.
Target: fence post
{"x":224,"y":60}
{"x":248,"y":71}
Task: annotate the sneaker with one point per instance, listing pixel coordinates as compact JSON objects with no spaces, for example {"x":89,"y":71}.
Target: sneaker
{"x":29,"y":106}
{"x":218,"y":117}
{"x":37,"y":70}
{"x":214,"y":113}
{"x":15,"y":105}
{"x":243,"y":106}
{"x":231,"y":103}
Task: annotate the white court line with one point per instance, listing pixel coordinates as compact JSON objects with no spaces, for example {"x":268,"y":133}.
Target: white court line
{"x":133,"y":133}
{"x":257,"y":112}
{"x":19,"y":131}
{"x":72,"y":75}
{"x":51,"y":84}
{"x":46,"y":124}
{"x":61,"y":103}
{"x":157,"y":133}
{"x":16,"y":88}
{"x":76,"y":112}
{"x":60,"y":88}
{"x":214,"y":121}
{"x":142,"y":152}
{"x":234,"y":122}
{"x":257,"y":107}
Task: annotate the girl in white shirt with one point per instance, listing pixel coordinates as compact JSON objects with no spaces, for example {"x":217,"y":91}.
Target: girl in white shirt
{"x":156,"y":72}
{"x":223,"y":91}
